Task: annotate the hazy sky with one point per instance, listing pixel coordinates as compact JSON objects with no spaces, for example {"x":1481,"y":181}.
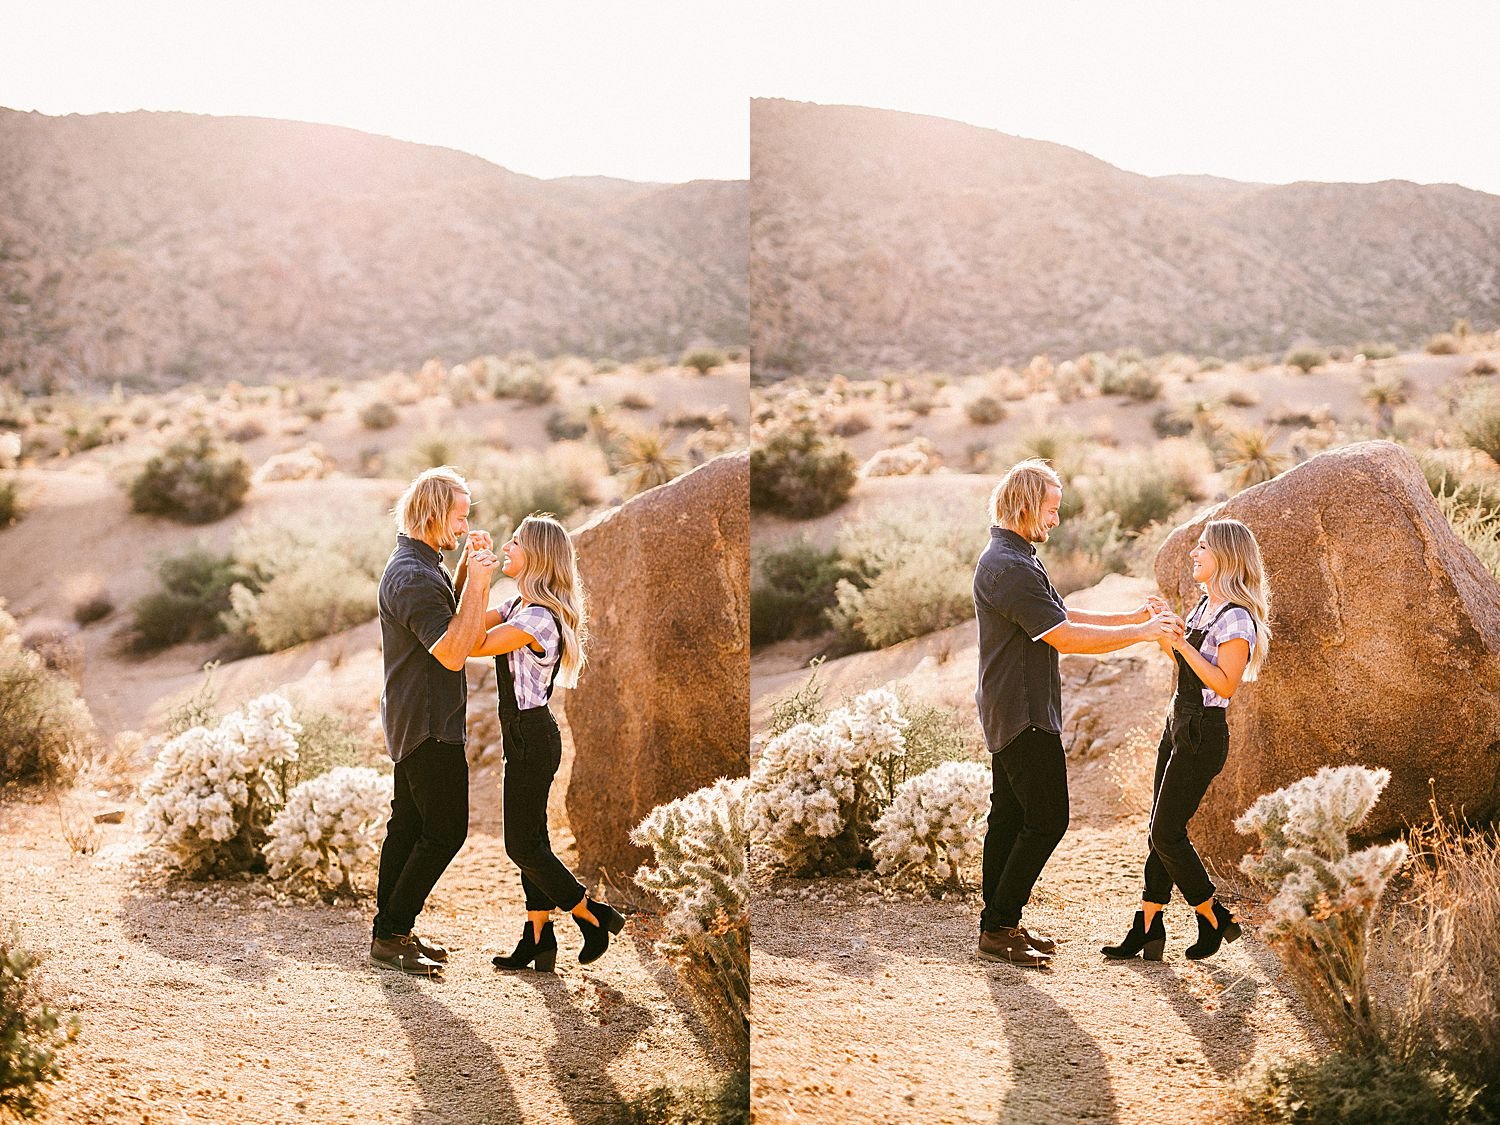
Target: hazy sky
{"x":1271,"y":90}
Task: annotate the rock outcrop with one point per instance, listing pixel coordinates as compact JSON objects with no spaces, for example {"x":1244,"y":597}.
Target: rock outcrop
{"x":1386,"y":649}
{"x":663,"y":706}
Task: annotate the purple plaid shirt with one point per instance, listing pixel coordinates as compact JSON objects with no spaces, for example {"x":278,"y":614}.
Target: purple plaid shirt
{"x":531,"y":672}
{"x":1235,"y":624}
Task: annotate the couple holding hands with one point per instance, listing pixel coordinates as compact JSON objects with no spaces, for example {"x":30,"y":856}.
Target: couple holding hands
{"x":1023,"y":627}
{"x":431,"y":623}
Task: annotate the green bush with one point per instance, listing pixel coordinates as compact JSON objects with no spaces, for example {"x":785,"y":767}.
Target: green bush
{"x":190,"y":605}
{"x":985,"y":410}
{"x":11,"y":508}
{"x":935,"y":735}
{"x":1082,"y":550}
{"x":1370,"y":349}
{"x":1171,"y":421}
{"x":378,"y":415}
{"x":1349,"y":1089}
{"x":703,"y":360}
{"x":798,"y":470}
{"x":32,"y":1034}
{"x":912,"y":575}
{"x":795,"y":592}
{"x":1137,"y":488}
{"x":1130,"y":378}
{"x":1479,"y":422}
{"x":567,"y":425}
{"x":303,"y":580}
{"x":1305,"y":359}
{"x":192,"y":481}
{"x":524,"y":382}
{"x":328,"y":741}
{"x":508,"y":488}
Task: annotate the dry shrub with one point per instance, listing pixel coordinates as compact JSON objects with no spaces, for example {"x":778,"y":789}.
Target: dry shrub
{"x":46,"y":731}
{"x":1444,"y":343}
{"x":1445,"y":944}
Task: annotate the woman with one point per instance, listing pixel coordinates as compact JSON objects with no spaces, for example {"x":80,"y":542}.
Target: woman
{"x":536,"y":639}
{"x":1226,"y":640}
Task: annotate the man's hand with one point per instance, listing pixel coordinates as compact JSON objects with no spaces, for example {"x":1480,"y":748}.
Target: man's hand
{"x":1153,"y":605}
{"x":483,"y":564}
{"x":1164,"y":628}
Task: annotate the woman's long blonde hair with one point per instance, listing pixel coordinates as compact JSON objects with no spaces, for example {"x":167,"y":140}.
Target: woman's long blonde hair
{"x":551,"y":580}
{"x":1240,"y":575}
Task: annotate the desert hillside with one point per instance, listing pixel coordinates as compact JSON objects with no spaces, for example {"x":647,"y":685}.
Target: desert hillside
{"x":883,"y":240}
{"x":171,"y":247}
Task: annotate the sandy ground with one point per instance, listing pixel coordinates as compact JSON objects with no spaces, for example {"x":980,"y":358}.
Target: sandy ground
{"x":229,"y":1001}
{"x":870,"y":1006}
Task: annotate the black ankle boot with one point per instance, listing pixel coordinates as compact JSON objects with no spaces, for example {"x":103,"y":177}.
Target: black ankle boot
{"x":1148,"y":943}
{"x":1210,"y":937}
{"x":596,"y":938}
{"x":541,"y":953}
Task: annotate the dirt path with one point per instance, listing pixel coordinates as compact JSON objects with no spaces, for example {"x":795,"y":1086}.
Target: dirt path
{"x":228,"y":1002}
{"x":873,"y":1009}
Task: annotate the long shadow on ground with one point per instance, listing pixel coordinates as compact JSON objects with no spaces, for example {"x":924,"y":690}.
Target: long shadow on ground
{"x":458,"y":1073}
{"x":1058,"y":1072}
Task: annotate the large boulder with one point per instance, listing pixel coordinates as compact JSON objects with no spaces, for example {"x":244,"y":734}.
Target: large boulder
{"x":663,"y":707}
{"x":1386,"y":649}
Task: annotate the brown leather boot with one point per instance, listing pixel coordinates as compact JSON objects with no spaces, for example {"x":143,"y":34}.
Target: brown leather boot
{"x":400,"y":952}
{"x":435,"y":952}
{"x":1038,"y":942}
{"x":1009,"y":943}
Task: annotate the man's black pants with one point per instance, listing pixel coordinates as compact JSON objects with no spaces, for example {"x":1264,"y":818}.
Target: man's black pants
{"x":1028,"y":817}
{"x":429,"y":823}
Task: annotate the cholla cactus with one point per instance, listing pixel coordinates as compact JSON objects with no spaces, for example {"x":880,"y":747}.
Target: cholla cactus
{"x":1326,"y":896}
{"x":212,"y":792}
{"x":700,"y":844}
{"x":330,"y":828}
{"x":933,"y":825}
{"x":819,"y":786}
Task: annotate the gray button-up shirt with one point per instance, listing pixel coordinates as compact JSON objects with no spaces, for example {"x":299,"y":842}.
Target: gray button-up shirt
{"x":1015,"y":601}
{"x":421,"y":698}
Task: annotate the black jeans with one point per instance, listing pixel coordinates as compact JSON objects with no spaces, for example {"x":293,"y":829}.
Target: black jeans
{"x":533,"y":751}
{"x":1028,"y":817}
{"x":1191,"y":753}
{"x":429,"y":823}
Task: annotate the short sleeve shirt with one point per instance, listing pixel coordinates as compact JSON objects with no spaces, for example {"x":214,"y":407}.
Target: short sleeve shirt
{"x":531,"y":671}
{"x":421,"y":699}
{"x":1016,"y":604}
{"x":1234,"y":624}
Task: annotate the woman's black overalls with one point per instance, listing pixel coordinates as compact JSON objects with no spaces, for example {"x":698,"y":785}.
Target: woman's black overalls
{"x":533,"y":752}
{"x":1192,"y":751}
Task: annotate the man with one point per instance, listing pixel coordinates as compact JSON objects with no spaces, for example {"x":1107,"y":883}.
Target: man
{"x":1023,"y":625}
{"x":428,"y":625}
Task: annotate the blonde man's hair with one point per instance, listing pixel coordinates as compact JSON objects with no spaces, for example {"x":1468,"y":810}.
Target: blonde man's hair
{"x":1017,"y":500}
{"x":551,"y":580}
{"x":423,"y":510}
{"x":1240,"y":574}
